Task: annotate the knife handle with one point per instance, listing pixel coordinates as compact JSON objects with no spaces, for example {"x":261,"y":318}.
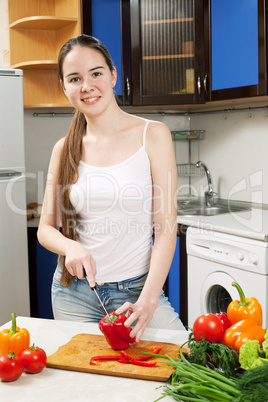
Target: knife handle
{"x":92,"y":288}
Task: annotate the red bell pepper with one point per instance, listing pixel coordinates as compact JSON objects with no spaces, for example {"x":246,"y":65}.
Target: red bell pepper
{"x":116,"y":334}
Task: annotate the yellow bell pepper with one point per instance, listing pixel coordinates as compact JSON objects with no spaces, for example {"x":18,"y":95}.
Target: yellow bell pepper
{"x":244,"y":308}
{"x":15,"y":338}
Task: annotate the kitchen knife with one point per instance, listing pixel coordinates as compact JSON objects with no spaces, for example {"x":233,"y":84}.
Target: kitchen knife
{"x":96,"y":293}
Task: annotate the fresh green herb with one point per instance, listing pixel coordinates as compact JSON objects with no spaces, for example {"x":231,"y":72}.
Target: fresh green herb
{"x":192,"y":382}
{"x":253,"y":385}
{"x":216,"y":356}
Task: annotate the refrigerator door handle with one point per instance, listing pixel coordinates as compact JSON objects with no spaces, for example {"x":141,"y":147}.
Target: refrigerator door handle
{"x":9,"y":174}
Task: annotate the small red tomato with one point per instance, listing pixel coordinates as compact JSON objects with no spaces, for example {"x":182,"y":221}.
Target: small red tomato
{"x":209,"y":327}
{"x":224,"y":319}
{"x":34,"y":359}
{"x":11,"y":367}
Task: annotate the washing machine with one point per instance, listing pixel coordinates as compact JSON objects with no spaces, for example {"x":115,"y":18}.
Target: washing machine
{"x":214,"y":261}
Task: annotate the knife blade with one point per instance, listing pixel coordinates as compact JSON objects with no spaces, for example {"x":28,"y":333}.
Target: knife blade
{"x":102,"y":305}
{"x":96,"y":293}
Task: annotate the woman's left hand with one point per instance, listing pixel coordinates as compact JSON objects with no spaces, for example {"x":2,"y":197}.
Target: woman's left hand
{"x":136,"y":312}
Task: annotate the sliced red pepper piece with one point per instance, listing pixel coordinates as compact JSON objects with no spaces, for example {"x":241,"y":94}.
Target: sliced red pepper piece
{"x":125,"y":355}
{"x":96,"y":358}
{"x":142,"y":363}
{"x":155,"y":350}
{"x":124,"y":361}
{"x":141,"y":358}
{"x":146,"y":357}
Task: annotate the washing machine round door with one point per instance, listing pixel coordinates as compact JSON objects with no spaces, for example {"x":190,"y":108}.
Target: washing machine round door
{"x":217,"y":292}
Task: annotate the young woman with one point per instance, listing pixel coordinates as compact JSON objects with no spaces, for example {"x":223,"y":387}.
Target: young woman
{"x":111,"y":184}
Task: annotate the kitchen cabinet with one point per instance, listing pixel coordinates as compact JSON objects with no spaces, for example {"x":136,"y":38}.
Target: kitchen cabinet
{"x":182,"y":53}
{"x":109,"y":21}
{"x":167,"y":52}
{"x":173,"y":279}
{"x":176,"y":283}
{"x":37,"y":31}
{"x":42,"y":265}
{"x":237,"y":48}
{"x":157,"y":47}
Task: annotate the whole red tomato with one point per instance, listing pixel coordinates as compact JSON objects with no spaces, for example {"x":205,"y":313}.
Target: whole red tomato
{"x":11,"y":367}
{"x":209,"y":327}
{"x":224,"y":319}
{"x":34,"y":359}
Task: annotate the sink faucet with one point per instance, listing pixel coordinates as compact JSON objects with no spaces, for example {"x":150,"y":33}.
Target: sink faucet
{"x":209,"y":195}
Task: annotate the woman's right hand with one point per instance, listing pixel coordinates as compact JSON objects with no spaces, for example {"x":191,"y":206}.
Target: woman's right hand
{"x":78,"y":259}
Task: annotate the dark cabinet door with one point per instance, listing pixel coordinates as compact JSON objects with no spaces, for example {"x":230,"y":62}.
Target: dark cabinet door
{"x":167,"y":52}
{"x":42,"y":265}
{"x":237,"y":49}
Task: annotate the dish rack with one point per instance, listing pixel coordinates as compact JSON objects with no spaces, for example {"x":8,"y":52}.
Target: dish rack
{"x":189,"y":169}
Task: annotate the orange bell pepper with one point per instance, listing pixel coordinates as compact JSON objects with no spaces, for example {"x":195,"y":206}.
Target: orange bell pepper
{"x":244,"y":308}
{"x":242,"y":331}
{"x":15,"y":339}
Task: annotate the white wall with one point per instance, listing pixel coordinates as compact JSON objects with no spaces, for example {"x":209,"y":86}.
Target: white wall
{"x":4,"y":35}
{"x":236,"y":150}
{"x":41,"y":134}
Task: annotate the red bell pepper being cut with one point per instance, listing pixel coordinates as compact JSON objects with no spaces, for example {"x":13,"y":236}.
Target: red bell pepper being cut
{"x":116,"y":334}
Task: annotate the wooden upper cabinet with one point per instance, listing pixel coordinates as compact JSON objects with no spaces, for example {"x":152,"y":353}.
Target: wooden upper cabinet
{"x":37,"y":31}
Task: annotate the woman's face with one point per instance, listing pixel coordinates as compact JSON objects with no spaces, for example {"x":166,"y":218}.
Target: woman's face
{"x":87,"y":80}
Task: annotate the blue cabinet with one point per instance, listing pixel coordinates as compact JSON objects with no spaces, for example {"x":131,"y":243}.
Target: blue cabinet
{"x":106,"y":26}
{"x":237,"y":51}
{"x":157,"y":48}
{"x":173,"y":280}
{"x":104,"y":20}
{"x":207,"y":50}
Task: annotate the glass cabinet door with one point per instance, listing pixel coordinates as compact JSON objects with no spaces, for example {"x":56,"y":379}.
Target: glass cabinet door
{"x":170,"y":67}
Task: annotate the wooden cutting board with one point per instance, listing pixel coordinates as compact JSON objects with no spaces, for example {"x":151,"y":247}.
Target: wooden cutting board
{"x":76,"y":354}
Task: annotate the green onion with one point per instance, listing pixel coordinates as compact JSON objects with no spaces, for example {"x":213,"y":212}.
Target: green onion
{"x":192,"y":382}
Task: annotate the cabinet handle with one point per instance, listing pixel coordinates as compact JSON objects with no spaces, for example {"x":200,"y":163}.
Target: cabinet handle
{"x":205,"y":82}
{"x":199,"y":85}
{"x":128,"y":87}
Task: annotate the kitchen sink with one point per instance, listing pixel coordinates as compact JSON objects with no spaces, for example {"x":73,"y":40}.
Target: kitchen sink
{"x":198,"y":207}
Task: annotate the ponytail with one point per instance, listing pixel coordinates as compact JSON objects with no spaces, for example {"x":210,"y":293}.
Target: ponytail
{"x":68,"y":175}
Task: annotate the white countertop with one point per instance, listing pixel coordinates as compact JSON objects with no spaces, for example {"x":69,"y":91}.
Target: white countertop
{"x":63,"y":385}
{"x":250,"y":224}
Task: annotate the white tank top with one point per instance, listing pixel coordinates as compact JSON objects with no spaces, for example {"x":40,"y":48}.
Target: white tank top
{"x":114,"y":215}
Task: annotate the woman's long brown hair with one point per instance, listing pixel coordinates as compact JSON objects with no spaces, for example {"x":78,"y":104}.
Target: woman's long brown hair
{"x":72,"y":149}
{"x":68,"y":174}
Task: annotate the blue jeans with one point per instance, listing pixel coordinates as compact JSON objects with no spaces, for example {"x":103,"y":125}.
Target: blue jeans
{"x":77,"y":302}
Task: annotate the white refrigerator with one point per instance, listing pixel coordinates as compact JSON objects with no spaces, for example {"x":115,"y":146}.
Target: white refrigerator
{"x":14,"y":272}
